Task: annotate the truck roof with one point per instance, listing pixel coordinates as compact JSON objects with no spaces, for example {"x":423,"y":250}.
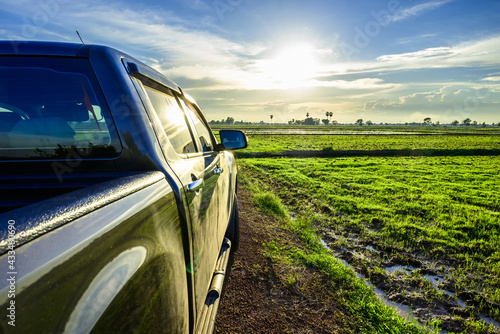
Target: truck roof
{"x":41,"y":48}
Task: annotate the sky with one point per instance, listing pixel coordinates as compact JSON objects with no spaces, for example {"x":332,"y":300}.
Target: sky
{"x":388,"y":61}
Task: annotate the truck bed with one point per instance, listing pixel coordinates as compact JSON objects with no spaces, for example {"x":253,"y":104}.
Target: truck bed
{"x":19,"y":190}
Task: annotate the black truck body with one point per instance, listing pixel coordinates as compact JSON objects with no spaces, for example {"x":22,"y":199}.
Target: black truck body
{"x":117,"y":207}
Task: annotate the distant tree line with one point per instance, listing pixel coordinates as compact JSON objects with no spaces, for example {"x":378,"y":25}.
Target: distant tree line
{"x":328,"y":121}
{"x":230,"y":121}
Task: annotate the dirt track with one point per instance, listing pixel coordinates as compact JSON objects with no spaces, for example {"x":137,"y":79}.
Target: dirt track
{"x":257,"y":297}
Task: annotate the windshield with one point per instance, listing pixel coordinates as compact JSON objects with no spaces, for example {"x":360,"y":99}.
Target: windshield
{"x":45,"y":113}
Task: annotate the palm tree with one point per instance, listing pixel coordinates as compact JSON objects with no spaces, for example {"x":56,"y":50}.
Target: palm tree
{"x":271,"y":118}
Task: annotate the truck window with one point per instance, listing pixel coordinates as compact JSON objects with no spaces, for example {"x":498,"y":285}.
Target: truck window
{"x":201,"y":129}
{"x":172,"y":119}
{"x":45,"y":113}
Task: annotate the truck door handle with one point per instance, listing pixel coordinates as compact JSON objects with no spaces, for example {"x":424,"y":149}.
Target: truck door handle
{"x":218,"y":170}
{"x":196,"y":185}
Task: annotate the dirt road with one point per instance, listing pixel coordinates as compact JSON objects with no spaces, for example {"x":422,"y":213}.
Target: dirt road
{"x":265,"y":297}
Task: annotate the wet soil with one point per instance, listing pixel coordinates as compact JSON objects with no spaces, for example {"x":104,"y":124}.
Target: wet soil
{"x":422,"y":285}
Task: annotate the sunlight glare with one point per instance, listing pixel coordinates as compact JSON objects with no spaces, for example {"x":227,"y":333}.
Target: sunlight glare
{"x":294,"y":66}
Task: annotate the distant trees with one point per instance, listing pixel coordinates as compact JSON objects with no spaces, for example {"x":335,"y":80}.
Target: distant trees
{"x":328,"y":121}
{"x":311,"y":121}
{"x":307,"y":121}
{"x":329,"y":116}
{"x":229,"y":121}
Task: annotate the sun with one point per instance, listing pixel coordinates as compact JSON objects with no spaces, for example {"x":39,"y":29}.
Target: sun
{"x":294,"y":66}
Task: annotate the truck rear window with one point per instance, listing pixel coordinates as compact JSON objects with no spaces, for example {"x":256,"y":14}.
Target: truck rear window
{"x":50,"y":110}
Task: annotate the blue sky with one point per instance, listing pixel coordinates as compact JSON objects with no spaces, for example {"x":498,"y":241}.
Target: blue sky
{"x":384,"y":61}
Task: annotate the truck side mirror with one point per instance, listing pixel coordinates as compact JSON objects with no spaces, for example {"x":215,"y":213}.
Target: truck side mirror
{"x":233,"y":139}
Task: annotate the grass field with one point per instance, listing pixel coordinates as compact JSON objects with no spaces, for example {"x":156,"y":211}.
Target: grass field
{"x":287,"y":142}
{"x":424,"y":229}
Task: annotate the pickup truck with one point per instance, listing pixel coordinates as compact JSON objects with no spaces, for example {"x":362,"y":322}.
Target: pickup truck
{"x":118,"y":204}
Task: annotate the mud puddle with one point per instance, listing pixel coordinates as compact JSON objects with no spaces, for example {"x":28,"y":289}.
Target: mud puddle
{"x":420,"y":289}
{"x":401,"y":309}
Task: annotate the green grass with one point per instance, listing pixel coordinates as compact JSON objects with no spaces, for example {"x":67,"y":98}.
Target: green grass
{"x":441,"y":207}
{"x":369,"y":314}
{"x":269,"y":203}
{"x":441,"y":210}
{"x":279,"y":143}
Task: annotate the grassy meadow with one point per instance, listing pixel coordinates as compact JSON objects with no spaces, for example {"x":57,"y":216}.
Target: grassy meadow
{"x":423,"y":229}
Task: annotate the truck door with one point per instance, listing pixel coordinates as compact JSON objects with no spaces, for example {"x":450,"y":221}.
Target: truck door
{"x":197,"y":167}
{"x":223,"y":188}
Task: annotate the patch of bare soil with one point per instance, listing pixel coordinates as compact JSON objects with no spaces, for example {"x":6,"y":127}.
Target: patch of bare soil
{"x":261,"y":296}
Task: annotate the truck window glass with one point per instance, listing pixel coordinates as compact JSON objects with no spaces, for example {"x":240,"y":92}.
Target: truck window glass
{"x":172,"y":119}
{"x":45,"y":114}
{"x":202,"y":131}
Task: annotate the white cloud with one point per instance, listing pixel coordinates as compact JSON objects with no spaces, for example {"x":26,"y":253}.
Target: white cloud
{"x":442,"y":52}
{"x":476,"y":53}
{"x":413,"y":39}
{"x":445,"y":104}
{"x":417,"y":10}
{"x":497,"y":79}
{"x":365,"y":83}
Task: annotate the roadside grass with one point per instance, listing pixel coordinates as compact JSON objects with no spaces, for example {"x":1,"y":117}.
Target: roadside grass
{"x":369,"y":314}
{"x":270,"y":203}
